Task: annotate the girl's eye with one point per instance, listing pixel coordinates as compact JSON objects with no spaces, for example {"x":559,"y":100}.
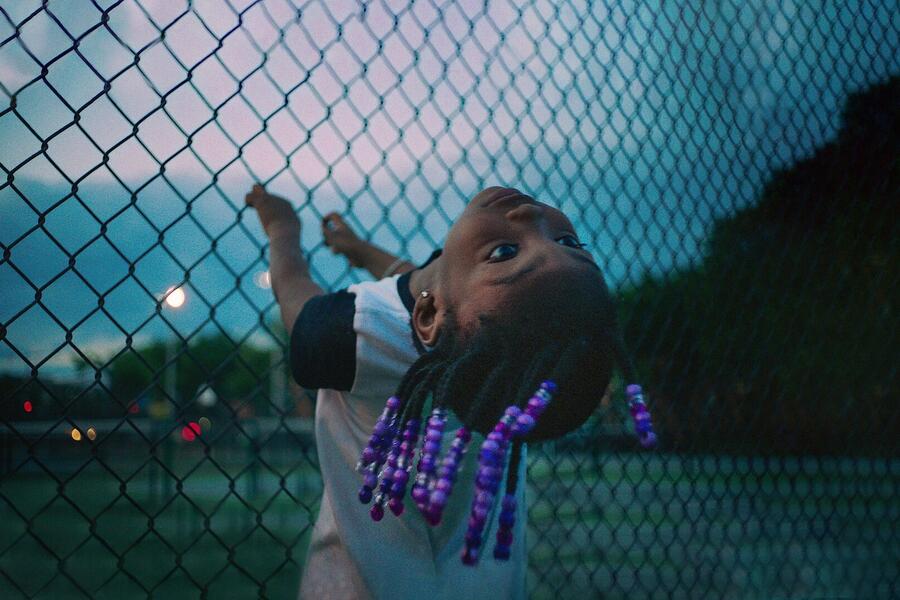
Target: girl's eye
{"x":570,"y":241}
{"x":503,"y":252}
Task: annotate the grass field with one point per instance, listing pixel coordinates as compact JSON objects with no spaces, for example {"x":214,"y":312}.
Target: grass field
{"x":612,"y":525}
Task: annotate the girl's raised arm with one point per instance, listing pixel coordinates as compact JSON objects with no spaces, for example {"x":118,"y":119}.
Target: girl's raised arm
{"x":288,"y":270}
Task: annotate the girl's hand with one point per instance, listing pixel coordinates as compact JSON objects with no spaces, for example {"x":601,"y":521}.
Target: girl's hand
{"x":276,"y":214}
{"x":341,"y":239}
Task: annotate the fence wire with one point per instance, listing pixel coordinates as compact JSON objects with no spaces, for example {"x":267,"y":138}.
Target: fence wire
{"x":734,"y":164}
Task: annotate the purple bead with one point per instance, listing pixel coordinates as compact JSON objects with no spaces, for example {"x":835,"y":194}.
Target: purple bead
{"x":433,"y":436}
{"x":369,"y":455}
{"x":484,"y":499}
{"x":524,"y":423}
{"x":513,"y":411}
{"x":509,"y":502}
{"x":431,"y":447}
{"x":376,"y":512}
{"x":501,"y":427}
{"x":494,"y":437}
{"x":380,"y":428}
{"x":438,"y":498}
{"x":501,"y":552}
{"x":396,"y":506}
{"x":365,"y":494}
{"x":419,"y":494}
{"x":490,"y":446}
{"x":445,"y":485}
{"x":649,"y":440}
{"x":507,"y":519}
{"x":480,"y":512}
{"x":504,"y":537}
{"x":370,"y":480}
{"x":634,"y":390}
{"x":473,"y":538}
{"x":463,"y":434}
{"x":470,"y":556}
{"x":427,"y":463}
{"x":401,"y":476}
{"x":433,"y":515}
{"x":550,"y":386}
{"x":393,"y":403}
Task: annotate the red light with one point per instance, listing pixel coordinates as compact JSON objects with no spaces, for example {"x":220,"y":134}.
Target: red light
{"x":27,"y":406}
{"x":134,"y":408}
{"x":190,"y":431}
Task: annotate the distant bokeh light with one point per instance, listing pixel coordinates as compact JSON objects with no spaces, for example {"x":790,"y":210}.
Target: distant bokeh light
{"x":190,"y":431}
{"x":175,"y":297}
{"x":76,"y":435}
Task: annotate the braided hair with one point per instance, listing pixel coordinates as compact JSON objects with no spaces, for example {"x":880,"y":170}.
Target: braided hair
{"x":486,"y":378}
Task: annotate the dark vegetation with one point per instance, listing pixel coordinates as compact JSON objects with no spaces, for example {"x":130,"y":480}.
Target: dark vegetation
{"x":784,"y":338}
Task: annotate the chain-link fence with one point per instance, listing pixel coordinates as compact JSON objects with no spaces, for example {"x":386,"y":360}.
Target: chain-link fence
{"x":733,"y":164}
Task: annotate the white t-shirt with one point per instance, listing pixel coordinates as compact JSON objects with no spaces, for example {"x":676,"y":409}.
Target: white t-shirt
{"x":361,"y":340}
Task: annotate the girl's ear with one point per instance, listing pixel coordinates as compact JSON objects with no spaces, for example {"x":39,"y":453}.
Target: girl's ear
{"x":427,"y":318}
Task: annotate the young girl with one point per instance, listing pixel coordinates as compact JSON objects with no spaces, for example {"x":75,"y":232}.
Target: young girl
{"x":507,"y":335}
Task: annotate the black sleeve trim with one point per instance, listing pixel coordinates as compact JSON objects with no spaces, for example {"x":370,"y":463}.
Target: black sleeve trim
{"x":323,"y":342}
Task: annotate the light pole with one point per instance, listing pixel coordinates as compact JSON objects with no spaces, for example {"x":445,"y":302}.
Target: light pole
{"x":175,"y":298}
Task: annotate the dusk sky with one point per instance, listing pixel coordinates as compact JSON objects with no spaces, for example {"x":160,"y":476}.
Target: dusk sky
{"x":643,"y":122}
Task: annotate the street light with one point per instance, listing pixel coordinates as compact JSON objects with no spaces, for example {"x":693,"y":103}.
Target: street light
{"x":175,"y":297}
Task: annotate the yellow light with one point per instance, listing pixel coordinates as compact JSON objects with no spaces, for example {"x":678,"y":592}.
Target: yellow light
{"x":175,"y":297}
{"x":205,"y":423}
{"x":92,"y":435}
{"x":76,"y":435}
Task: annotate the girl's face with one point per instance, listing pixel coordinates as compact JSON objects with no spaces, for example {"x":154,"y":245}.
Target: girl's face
{"x":506,"y":244}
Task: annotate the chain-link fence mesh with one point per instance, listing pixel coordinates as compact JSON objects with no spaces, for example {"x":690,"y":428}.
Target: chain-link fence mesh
{"x":733,"y":164}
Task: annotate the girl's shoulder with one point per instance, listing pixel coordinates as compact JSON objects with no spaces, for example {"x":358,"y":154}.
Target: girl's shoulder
{"x":381,"y":295}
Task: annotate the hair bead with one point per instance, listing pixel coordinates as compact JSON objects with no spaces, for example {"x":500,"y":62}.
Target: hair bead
{"x":401,"y":472}
{"x":437,"y":497}
{"x":643,"y":425}
{"x":491,"y":459}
